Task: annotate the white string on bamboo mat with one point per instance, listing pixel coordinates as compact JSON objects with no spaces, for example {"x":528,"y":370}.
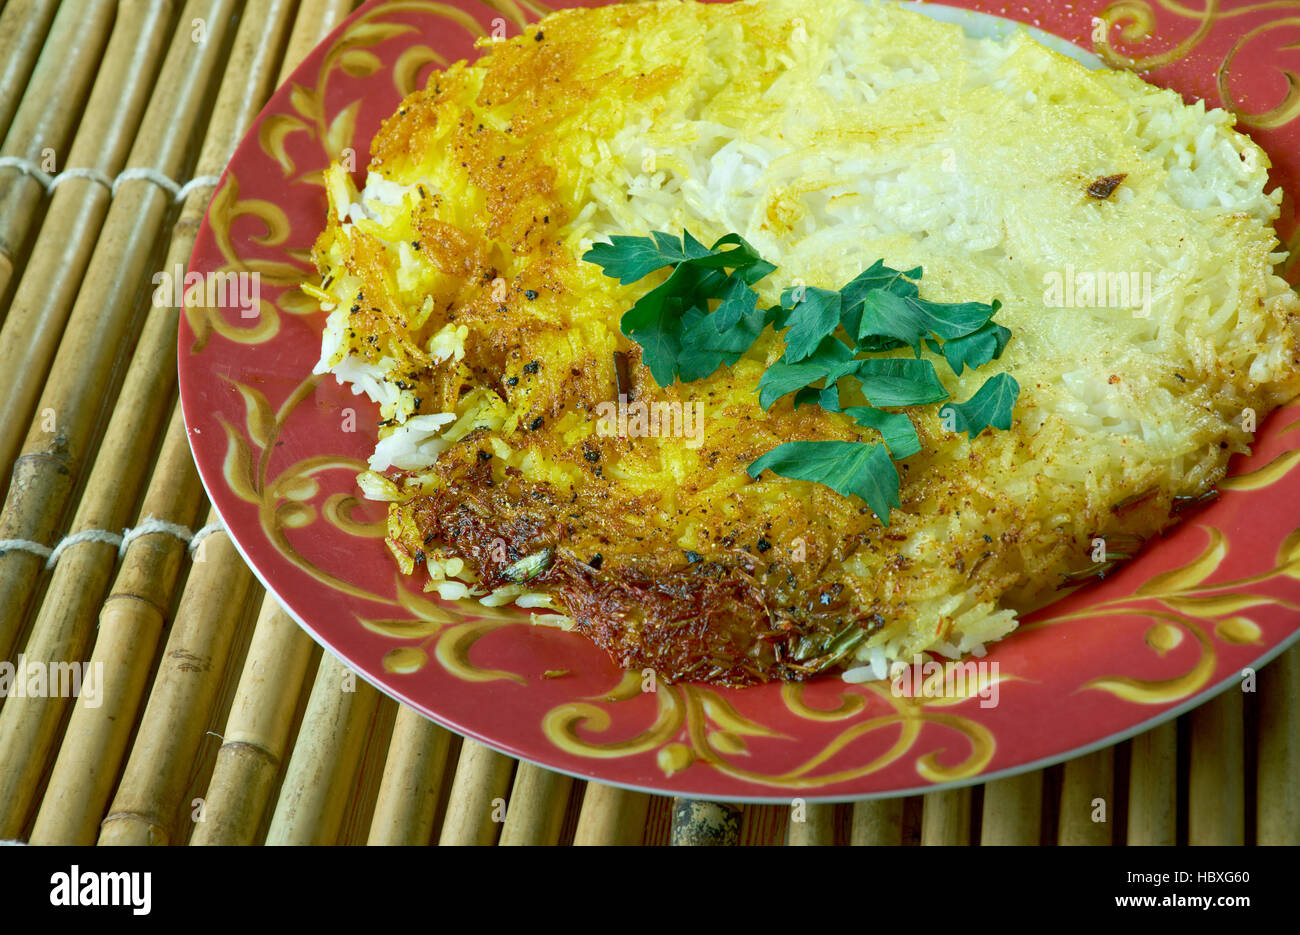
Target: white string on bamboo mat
{"x":178,"y":192}
{"x":50,"y":182}
{"x":148,"y":526}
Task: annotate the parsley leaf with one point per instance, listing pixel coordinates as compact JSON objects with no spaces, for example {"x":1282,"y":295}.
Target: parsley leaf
{"x":781,"y":379}
{"x":738,"y":302}
{"x":742,"y":257}
{"x":628,"y":259}
{"x":895,"y":428}
{"x":898,"y":381}
{"x":812,"y":319}
{"x":672,"y":341}
{"x":973,"y":350}
{"x":848,"y":468}
{"x":910,"y":319}
{"x":654,"y":321}
{"x":812,"y":394}
{"x":991,"y":405}
{"x":704,"y":348}
{"x":877,"y":277}
{"x":831,"y":360}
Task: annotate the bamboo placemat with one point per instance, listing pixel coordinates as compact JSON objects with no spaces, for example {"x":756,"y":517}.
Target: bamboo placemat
{"x":221,"y":721}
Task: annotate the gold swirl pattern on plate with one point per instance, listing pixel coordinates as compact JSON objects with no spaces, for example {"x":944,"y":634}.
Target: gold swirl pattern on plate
{"x":285,"y":502}
{"x":1136,"y":21}
{"x":1278,"y":115}
{"x":694,"y":724}
{"x":205,"y":319}
{"x":1189,"y":604}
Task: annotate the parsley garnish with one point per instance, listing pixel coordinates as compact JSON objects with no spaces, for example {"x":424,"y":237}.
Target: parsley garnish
{"x":828,"y":335}
{"x":849,"y":468}
{"x":679,"y":336}
{"x":991,"y":405}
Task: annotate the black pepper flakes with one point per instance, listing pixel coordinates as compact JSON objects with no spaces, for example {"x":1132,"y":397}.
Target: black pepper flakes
{"x":532,"y":366}
{"x":535,"y":424}
{"x":512,"y":381}
{"x":530,"y":294}
{"x":693,"y":557}
{"x":596,"y":561}
{"x":763,"y":545}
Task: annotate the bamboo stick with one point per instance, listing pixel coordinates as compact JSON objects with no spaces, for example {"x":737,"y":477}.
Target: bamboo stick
{"x":29,"y":724}
{"x":477,"y":804}
{"x":316,"y":19}
{"x":48,"y":285}
{"x":372,"y":758}
{"x":1277,"y":800}
{"x":1153,"y":787}
{"x":101,"y":321}
{"x":1013,"y":810}
{"x":65,"y":619}
{"x":130,"y":623}
{"x":877,"y":822}
{"x":817,"y":828}
{"x":697,"y":823}
{"x":192,"y":800}
{"x":1216,"y":781}
{"x":538,"y":800}
{"x":144,"y":807}
{"x":256,"y":734}
{"x":611,"y":815}
{"x":1088,"y":800}
{"x":23,"y":25}
{"x":945,"y":818}
{"x":413,"y":774}
{"x":324,"y":758}
{"x":66,"y":615}
{"x":47,"y":115}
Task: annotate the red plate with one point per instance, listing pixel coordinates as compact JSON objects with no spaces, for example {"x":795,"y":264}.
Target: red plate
{"x":1216,"y":597}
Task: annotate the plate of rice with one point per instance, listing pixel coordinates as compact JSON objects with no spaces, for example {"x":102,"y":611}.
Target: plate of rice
{"x":770,"y":399}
